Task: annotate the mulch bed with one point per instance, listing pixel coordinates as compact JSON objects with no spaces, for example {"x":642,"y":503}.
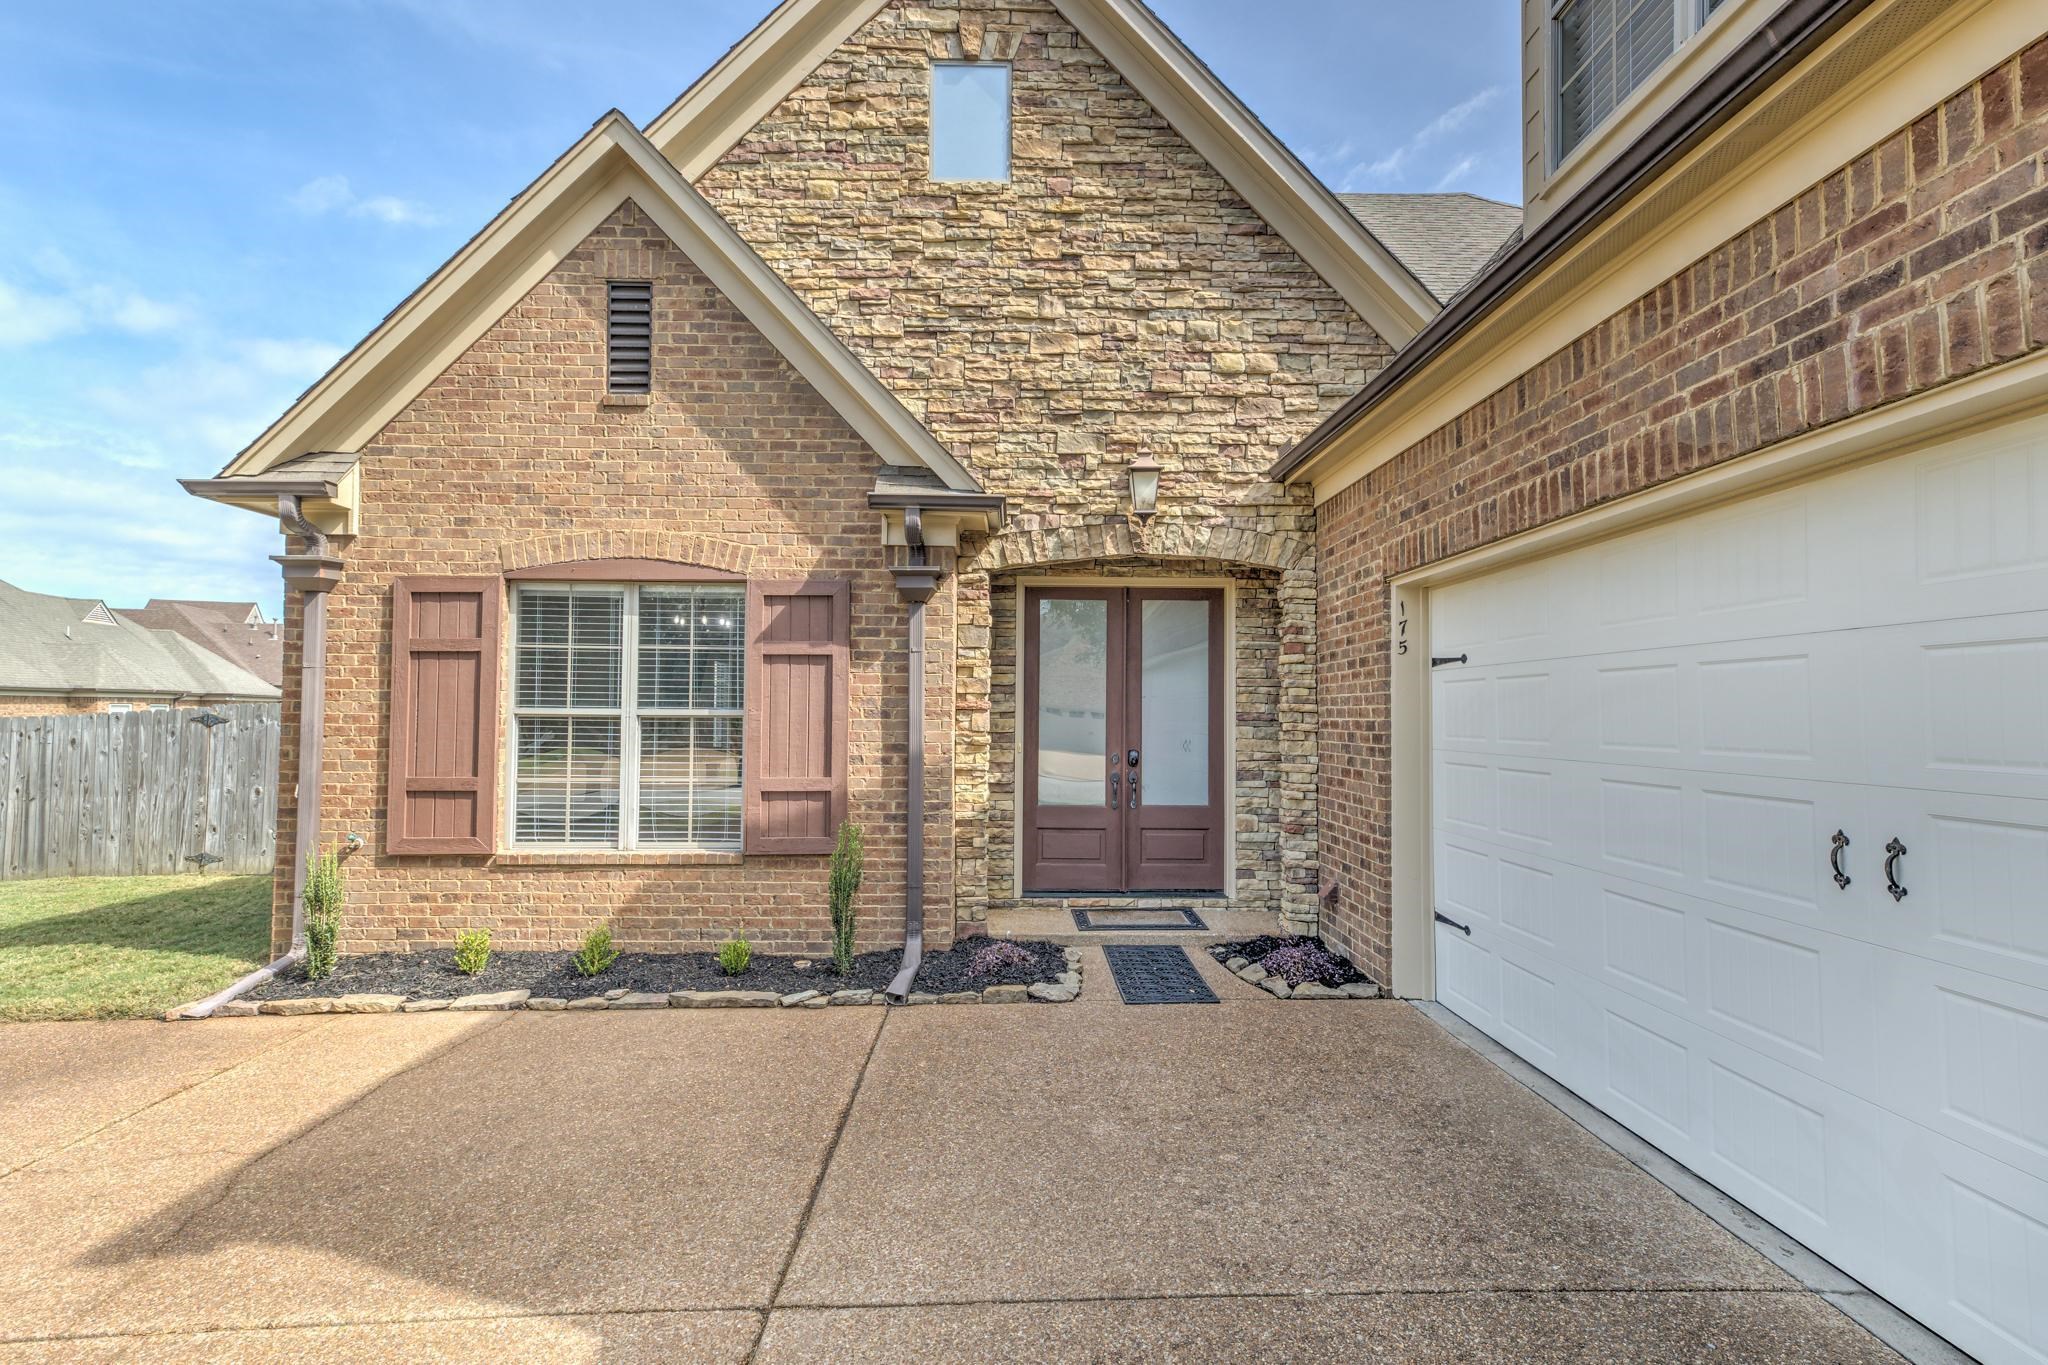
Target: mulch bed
{"x":431,"y":975}
{"x":1253,"y":949}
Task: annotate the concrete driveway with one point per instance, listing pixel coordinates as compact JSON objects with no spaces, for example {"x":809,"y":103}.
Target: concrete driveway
{"x":1095,"y":1181}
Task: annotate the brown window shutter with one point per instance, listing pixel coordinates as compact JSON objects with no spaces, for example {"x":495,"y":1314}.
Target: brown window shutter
{"x":443,"y":794}
{"x":798,"y":636}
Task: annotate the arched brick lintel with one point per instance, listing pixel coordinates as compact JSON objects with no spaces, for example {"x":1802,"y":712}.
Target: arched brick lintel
{"x":1029,"y":546}
{"x":571,"y":546}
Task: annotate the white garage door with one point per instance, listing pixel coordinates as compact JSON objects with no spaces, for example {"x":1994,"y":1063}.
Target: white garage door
{"x":1637,"y":780}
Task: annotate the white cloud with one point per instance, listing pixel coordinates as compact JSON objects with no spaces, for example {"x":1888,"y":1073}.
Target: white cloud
{"x":333,"y":194}
{"x":65,"y":300}
{"x":1459,"y":170}
{"x":122,"y":448}
{"x":1390,"y":168}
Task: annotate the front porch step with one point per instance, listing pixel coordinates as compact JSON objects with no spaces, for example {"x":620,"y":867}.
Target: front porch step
{"x":1052,"y":921}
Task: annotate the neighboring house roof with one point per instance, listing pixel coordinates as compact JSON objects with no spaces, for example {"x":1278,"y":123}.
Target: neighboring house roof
{"x":74,"y":644}
{"x":712,"y":116}
{"x":608,"y":166}
{"x":237,"y":631}
{"x":1444,"y":239}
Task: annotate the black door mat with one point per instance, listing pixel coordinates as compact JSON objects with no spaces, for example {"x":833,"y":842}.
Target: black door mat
{"x":1172,"y":920}
{"x":1148,"y":975}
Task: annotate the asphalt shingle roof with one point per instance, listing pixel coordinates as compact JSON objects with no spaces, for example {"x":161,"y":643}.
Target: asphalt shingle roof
{"x":48,"y":644}
{"x":1443,"y":239}
{"x":234,"y":630}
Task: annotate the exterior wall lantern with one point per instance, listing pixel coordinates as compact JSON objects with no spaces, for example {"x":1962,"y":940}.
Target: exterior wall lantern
{"x":1144,"y":488}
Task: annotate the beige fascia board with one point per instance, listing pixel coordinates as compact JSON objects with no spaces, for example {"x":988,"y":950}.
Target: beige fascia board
{"x":609,"y":165}
{"x":708,"y":120}
{"x":1257,"y":165}
{"x":1969,"y":38}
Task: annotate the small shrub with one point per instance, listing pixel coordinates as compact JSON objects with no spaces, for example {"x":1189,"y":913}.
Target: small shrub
{"x":847,"y":858}
{"x":322,"y":898}
{"x":597,"y":953}
{"x":733,"y":956}
{"x":1302,"y":962}
{"x":472,"y":951}
{"x":991,"y":958}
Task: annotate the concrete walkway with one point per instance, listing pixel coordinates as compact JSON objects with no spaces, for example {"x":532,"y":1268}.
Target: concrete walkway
{"x":1251,"y":1179}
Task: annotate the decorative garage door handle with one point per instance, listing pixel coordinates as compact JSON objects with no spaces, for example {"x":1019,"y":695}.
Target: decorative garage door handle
{"x":1836,"y":847}
{"x":1893,"y":852}
{"x":1465,"y":929}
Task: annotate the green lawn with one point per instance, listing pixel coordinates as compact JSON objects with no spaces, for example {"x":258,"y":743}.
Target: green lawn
{"x":126,"y":947}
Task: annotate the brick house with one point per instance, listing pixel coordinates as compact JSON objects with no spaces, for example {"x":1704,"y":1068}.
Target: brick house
{"x":970,"y":409}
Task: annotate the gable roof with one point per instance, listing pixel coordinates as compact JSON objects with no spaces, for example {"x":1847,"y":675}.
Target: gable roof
{"x":73,"y":644}
{"x":713,"y":115}
{"x":236,"y":631}
{"x":607,"y":166}
{"x":1443,"y":239}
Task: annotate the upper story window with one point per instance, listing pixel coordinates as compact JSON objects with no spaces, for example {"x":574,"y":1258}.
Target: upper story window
{"x":627,"y":715}
{"x":629,"y":336}
{"x":970,"y":121}
{"x":1605,"y":49}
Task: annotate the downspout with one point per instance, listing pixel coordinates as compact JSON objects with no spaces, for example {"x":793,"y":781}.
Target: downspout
{"x":917,"y":581}
{"x":313,"y":573}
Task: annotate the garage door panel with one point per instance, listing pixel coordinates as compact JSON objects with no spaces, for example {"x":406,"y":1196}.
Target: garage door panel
{"x":1757,"y":843}
{"x":1971,"y":1237}
{"x":1975,"y":873}
{"x":1778,"y":708}
{"x":1979,"y":513}
{"x":1805,"y":1154}
{"x":1792,"y":992}
{"x":1967,"y":1057}
{"x":1962,"y":706}
{"x":1468,"y":978}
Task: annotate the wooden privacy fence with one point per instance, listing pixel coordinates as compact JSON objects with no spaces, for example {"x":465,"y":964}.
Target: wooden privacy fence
{"x":139,"y":792}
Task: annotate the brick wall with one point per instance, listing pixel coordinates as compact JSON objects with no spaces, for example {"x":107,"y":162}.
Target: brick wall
{"x":510,"y":456}
{"x":1116,"y":297}
{"x":77,"y":706}
{"x":1922,"y":260}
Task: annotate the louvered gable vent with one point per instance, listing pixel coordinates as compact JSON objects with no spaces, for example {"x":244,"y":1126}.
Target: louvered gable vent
{"x":629,"y":336}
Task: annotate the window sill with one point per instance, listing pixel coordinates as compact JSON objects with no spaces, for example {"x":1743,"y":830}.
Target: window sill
{"x":613,"y":857}
{"x":626,"y":400}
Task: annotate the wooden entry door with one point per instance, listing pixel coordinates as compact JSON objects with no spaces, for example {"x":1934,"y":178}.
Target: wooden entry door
{"x":1123,"y":739}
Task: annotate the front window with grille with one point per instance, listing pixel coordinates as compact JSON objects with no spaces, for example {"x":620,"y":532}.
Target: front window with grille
{"x":627,"y":710}
{"x":1606,"y":49}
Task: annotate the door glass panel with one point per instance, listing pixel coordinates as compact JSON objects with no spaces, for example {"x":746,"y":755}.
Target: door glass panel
{"x":1174,"y":692}
{"x":1073,"y":701}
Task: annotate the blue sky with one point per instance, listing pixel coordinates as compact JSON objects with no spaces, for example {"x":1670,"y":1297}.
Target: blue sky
{"x":203,"y":204}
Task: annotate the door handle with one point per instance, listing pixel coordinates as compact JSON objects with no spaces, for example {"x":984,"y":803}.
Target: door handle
{"x":1134,"y":791}
{"x":1115,"y":797}
{"x":1894,"y":851}
{"x":1835,"y":848}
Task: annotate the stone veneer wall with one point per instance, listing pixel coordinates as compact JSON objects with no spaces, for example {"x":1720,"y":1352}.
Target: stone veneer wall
{"x":514,"y":457}
{"x":1922,"y":260}
{"x":1115,"y":297}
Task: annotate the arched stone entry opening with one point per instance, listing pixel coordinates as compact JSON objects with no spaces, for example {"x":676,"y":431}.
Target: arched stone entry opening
{"x":1270,"y":712}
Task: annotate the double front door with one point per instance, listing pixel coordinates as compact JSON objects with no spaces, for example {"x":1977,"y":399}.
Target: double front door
{"x":1123,"y":739}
